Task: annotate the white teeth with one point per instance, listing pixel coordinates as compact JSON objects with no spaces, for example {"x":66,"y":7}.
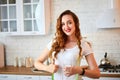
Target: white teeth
{"x":68,"y":30}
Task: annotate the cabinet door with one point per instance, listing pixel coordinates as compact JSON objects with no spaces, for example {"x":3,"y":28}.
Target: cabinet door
{"x":25,"y":17}
{"x":45,"y":78}
{"x":109,"y":78}
{"x":27,"y":77}
{"x":101,"y":78}
{"x":86,"y":78}
{"x":29,"y":7}
{"x":36,"y":16}
{"x":7,"y":77}
{"x":8,"y":21}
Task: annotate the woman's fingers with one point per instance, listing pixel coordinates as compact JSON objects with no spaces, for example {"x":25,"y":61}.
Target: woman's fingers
{"x":67,"y":71}
{"x":54,"y":67}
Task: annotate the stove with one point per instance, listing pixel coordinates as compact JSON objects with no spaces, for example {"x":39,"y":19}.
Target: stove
{"x":110,"y":69}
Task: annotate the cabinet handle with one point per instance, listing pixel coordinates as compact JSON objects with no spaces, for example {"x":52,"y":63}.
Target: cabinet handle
{"x":50,"y":78}
{"x":27,"y":77}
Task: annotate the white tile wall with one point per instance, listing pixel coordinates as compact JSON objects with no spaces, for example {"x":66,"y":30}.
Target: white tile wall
{"x":103,"y":40}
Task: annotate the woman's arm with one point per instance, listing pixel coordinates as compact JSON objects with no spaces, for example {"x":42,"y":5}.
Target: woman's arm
{"x":93,"y":70}
{"x":39,"y":62}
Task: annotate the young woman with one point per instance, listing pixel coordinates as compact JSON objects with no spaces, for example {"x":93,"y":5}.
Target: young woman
{"x":66,"y":51}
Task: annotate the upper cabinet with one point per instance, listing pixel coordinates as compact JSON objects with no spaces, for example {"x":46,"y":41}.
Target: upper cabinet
{"x":24,"y":17}
{"x":110,"y":18}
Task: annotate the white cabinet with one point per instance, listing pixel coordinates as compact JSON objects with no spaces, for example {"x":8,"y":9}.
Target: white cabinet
{"x":24,"y":17}
{"x":45,"y":77}
{"x":18,"y":77}
{"x":8,"y":18}
{"x":110,"y":18}
{"x":102,"y":78}
{"x":7,"y":77}
{"x":24,"y":77}
{"x":109,"y":78}
{"x":27,"y":77}
{"x":86,"y":78}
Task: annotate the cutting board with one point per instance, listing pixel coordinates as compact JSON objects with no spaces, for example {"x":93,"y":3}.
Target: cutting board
{"x":2,"y":57}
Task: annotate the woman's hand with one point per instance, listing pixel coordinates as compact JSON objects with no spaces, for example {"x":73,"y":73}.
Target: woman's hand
{"x":71,"y":70}
{"x":52,"y":68}
{"x":68,"y":71}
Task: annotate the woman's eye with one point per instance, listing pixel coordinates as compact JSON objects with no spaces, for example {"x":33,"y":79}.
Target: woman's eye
{"x":69,"y":22}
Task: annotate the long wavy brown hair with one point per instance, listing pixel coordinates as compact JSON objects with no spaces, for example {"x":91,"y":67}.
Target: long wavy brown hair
{"x":61,"y":38}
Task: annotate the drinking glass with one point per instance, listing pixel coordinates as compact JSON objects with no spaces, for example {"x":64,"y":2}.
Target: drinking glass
{"x":68,"y":65}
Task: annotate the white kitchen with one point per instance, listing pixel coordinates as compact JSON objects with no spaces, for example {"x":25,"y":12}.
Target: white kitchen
{"x":27,"y":26}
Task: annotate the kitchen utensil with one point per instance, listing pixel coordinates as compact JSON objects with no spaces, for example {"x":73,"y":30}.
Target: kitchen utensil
{"x":105,"y":61}
{"x":2,"y":56}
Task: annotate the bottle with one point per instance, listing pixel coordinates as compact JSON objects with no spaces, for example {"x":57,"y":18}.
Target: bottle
{"x":19,"y":62}
{"x":15,"y":61}
{"x":27,"y":62}
{"x":31,"y":61}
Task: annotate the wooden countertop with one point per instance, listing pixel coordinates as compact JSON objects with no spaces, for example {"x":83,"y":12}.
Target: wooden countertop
{"x":110,"y":75}
{"x":28,"y":71}
{"x":20,"y":71}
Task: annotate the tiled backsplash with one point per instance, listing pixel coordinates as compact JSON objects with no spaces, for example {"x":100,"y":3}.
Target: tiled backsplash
{"x":102,"y":40}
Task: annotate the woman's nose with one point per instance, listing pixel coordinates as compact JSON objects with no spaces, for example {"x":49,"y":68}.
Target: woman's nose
{"x":66,"y":25}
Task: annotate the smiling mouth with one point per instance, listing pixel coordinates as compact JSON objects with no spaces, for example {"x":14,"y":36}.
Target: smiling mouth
{"x":68,"y":30}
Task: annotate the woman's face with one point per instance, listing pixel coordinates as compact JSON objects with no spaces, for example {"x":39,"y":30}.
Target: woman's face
{"x":68,"y":25}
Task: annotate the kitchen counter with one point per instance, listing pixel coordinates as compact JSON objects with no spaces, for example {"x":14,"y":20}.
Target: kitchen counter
{"x":106,"y":74}
{"x":21,"y":71}
{"x":28,"y":71}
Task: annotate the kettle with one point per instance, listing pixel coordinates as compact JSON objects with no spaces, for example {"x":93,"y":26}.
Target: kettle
{"x":105,"y":61}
